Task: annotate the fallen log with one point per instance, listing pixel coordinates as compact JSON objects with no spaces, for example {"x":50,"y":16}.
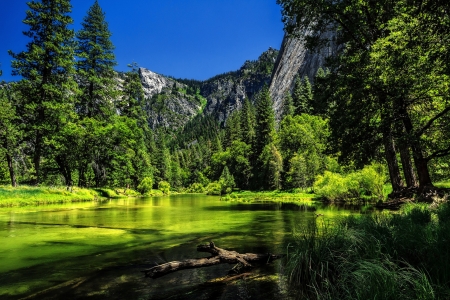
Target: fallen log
{"x":218,"y":256}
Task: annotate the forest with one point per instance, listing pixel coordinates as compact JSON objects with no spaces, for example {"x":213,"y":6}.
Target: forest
{"x":377,"y":113}
{"x":372,"y":126}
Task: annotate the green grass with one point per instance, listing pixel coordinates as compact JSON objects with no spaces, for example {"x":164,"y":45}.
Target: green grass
{"x":28,"y":195}
{"x":381,"y":256}
{"x":443,"y":184}
{"x":278,"y":196}
{"x":25,"y":195}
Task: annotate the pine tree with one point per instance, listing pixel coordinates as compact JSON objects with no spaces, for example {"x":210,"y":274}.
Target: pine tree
{"x":132,"y":98}
{"x":47,"y":89}
{"x":288,"y":108}
{"x":302,"y":95}
{"x":232,"y":129}
{"x":265,"y":121}
{"x":265,"y":130}
{"x":9,"y":129}
{"x":248,"y":122}
{"x":95,"y":65}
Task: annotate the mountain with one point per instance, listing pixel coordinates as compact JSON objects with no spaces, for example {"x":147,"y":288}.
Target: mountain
{"x":295,"y":59}
{"x":171,"y":103}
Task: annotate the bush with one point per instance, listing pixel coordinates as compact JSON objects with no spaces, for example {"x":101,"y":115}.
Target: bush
{"x":214,"y":188}
{"x":367,"y":182}
{"x":196,"y":188}
{"x":164,"y":187}
{"x":146,"y":185}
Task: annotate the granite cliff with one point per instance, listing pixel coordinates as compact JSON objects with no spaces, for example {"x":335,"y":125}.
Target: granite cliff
{"x":294,"y":58}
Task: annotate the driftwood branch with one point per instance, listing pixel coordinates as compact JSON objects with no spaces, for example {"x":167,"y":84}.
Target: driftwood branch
{"x":218,"y":256}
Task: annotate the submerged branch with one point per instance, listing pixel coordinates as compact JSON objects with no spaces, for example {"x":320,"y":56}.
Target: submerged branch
{"x":218,"y":256}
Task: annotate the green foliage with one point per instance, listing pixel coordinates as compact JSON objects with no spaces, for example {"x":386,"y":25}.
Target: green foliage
{"x":95,"y":65}
{"x":302,"y":96}
{"x":303,"y":140}
{"x":164,"y":186}
{"x":226,"y":181}
{"x":214,"y":188}
{"x":146,"y":185}
{"x":47,"y":89}
{"x":25,"y":195}
{"x":367,"y":182}
{"x":196,"y":188}
{"x":388,"y":256}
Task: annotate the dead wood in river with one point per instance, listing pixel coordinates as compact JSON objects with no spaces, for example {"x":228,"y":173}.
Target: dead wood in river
{"x":218,"y":256}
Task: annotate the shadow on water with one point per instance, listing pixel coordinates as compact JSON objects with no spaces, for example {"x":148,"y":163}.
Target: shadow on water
{"x":99,"y":252}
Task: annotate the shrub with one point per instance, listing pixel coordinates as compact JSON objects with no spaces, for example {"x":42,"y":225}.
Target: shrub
{"x":367,"y":182}
{"x":146,"y":185}
{"x":164,"y":187}
{"x":196,"y":188}
{"x":214,"y":188}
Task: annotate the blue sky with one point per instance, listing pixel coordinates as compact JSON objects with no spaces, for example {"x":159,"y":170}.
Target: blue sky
{"x":194,"y":39}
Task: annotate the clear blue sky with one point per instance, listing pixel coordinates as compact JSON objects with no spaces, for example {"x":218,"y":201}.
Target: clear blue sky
{"x":194,"y":39}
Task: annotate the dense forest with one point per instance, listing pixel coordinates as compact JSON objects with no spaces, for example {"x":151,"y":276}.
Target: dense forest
{"x":377,"y":112}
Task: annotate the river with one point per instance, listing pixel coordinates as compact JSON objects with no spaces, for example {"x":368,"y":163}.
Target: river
{"x":97,"y":250}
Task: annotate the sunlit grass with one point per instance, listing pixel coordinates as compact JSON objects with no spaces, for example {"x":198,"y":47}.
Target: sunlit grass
{"x":380,"y":256}
{"x":26,"y":195}
{"x":443,"y":184}
{"x":278,"y":196}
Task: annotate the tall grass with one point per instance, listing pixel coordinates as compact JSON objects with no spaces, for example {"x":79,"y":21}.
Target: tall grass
{"x":401,"y":256}
{"x":25,"y":195}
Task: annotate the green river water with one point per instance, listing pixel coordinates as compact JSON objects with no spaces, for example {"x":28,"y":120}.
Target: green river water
{"x":98,"y":250}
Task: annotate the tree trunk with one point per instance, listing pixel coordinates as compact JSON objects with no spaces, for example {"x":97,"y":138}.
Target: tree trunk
{"x":218,"y":256}
{"x":37,"y":156}
{"x":408,"y":170}
{"x":64,"y":169}
{"x":391,"y":159}
{"x":12,"y":175}
{"x":420,"y":162}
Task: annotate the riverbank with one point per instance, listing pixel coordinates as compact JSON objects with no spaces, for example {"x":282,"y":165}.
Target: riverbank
{"x":278,"y":196}
{"x":29,"y":195}
{"x":380,"y":256}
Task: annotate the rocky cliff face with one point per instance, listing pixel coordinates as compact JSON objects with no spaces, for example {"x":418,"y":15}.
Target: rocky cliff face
{"x":295,"y":59}
{"x":167,"y":102}
{"x":226,"y":93}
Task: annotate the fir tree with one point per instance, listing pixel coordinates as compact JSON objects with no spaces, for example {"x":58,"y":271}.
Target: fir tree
{"x":265,"y":130}
{"x":248,"y":122}
{"x":47,"y":89}
{"x":302,"y":95}
{"x":288,"y":108}
{"x":95,"y":65}
{"x":265,"y":121}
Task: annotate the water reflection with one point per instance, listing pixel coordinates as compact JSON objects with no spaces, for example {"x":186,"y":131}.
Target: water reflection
{"x":110,"y":242}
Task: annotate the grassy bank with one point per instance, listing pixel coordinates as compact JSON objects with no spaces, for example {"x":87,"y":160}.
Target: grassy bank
{"x":29,"y":195}
{"x":24,"y":195}
{"x":380,"y":256}
{"x":279,"y":196}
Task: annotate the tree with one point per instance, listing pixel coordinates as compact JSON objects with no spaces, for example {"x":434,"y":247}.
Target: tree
{"x":95,"y":66}
{"x":302,"y":96}
{"x":47,"y":90}
{"x":303,"y":141}
{"x":10,"y":132}
{"x":288,"y":108}
{"x":397,"y":54}
{"x":265,"y":135}
{"x":248,"y":122}
{"x":227,"y":181}
{"x":131,"y":101}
